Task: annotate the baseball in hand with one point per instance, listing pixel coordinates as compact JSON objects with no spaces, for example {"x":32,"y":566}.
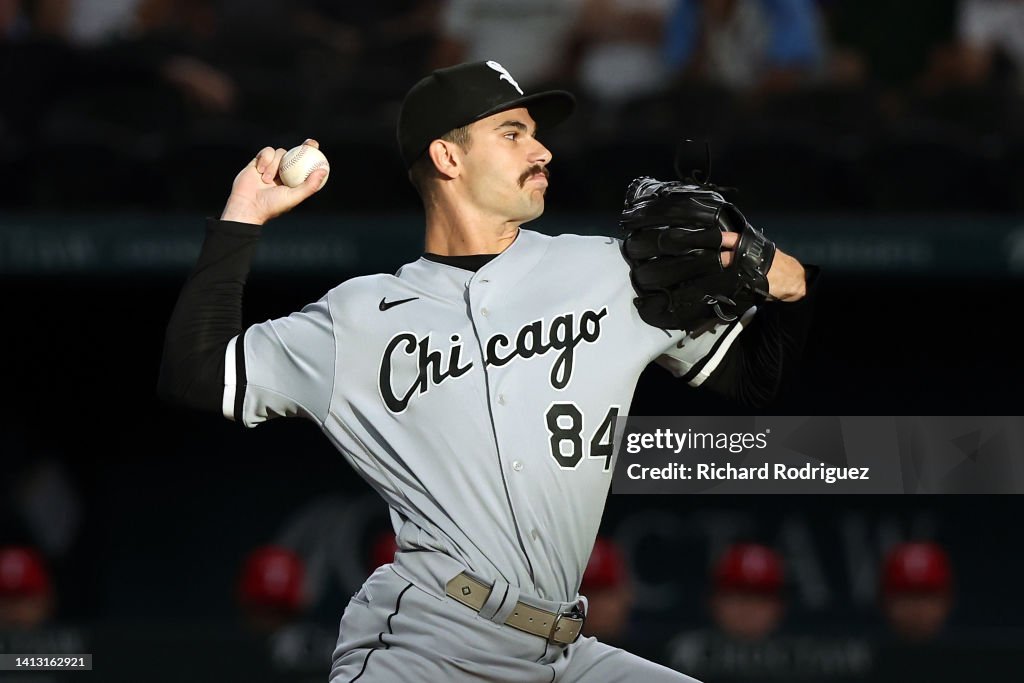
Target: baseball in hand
{"x":299,"y":162}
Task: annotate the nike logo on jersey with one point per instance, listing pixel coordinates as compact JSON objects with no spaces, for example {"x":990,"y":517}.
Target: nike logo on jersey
{"x":562,"y":335}
{"x":385,"y":304}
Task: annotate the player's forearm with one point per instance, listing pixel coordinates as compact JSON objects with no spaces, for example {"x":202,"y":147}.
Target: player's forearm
{"x":207,"y":315}
{"x":787,"y":278}
{"x":753,"y":371}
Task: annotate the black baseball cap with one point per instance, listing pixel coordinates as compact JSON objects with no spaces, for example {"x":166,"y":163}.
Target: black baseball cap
{"x":458,"y":95}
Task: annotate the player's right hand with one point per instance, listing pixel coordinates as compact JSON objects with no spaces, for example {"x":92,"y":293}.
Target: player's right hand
{"x":258,"y":195}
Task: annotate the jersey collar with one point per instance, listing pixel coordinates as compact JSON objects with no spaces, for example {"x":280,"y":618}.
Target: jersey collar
{"x":507,"y":269}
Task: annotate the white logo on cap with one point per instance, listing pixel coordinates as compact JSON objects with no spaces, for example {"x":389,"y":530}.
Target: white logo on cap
{"x":505,"y":75}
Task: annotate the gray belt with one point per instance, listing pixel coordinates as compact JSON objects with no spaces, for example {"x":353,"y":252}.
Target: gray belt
{"x":562,"y":629}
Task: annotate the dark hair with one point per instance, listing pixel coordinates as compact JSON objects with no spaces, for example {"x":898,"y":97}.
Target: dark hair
{"x":423,"y":167}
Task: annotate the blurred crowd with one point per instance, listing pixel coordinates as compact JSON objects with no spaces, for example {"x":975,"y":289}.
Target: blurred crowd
{"x":743,"y":634}
{"x":808,"y":104}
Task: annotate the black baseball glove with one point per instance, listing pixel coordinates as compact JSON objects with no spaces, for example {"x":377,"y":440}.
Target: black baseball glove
{"x":673,"y":237}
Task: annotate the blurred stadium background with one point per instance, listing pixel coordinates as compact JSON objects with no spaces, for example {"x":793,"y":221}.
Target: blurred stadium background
{"x":882,"y":141}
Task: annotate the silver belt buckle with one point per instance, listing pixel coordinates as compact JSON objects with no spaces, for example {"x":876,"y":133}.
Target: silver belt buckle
{"x":575,"y":613}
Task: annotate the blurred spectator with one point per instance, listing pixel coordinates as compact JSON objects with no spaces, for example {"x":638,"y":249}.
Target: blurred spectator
{"x":13,"y":21}
{"x":132,"y":43}
{"x":122,"y":97}
{"x":747,"y":601}
{"x":42,"y":507}
{"x":988,"y":49}
{"x":746,"y":604}
{"x":271,"y":588}
{"x":530,"y":38}
{"x":274,"y":594}
{"x":44,"y":496}
{"x":96,"y":22}
{"x":397,"y":35}
{"x":748,"y":45}
{"x":992,"y":32}
{"x":609,"y":592}
{"x":621,"y":48}
{"x":26,"y":592}
{"x":890,"y":43}
{"x":186,"y":35}
{"x":917,"y":590}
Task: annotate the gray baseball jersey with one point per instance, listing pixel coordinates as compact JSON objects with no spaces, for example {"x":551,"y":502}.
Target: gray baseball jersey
{"x":480,"y":405}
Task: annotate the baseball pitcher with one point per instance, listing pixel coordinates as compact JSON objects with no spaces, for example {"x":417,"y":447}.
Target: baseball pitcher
{"x":476,"y":389}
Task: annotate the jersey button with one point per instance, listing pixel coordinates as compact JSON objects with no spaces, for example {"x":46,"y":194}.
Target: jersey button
{"x":484,"y":312}
{"x":501,"y":399}
{"x":517,"y":466}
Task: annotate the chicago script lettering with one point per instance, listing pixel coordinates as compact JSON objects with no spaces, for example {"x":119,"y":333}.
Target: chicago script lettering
{"x":429,"y":362}
{"x":531,"y":340}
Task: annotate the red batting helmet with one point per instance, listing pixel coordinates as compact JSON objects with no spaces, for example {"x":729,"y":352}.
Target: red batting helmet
{"x":916,"y":568}
{"x":22,"y":572}
{"x":273,"y":577}
{"x":749,"y":567}
{"x":606,"y":568}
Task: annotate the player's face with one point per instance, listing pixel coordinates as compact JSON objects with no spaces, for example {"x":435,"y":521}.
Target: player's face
{"x":506,"y":166}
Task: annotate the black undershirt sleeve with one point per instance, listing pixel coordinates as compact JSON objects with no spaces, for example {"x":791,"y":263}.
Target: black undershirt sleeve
{"x":767,"y":351}
{"x":207,"y":315}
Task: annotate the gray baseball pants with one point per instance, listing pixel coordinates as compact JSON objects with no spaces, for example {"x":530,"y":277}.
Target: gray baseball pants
{"x":395,"y":630}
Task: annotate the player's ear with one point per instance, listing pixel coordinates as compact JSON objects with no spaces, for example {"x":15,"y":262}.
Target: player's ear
{"x":445,"y":157}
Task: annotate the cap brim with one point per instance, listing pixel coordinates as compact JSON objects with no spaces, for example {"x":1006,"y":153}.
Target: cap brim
{"x":548,"y":108}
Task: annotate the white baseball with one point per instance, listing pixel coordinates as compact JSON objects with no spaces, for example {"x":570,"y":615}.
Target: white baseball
{"x":299,"y":162}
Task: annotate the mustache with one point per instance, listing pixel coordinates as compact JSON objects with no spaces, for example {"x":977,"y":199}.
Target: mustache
{"x":532,"y":171}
